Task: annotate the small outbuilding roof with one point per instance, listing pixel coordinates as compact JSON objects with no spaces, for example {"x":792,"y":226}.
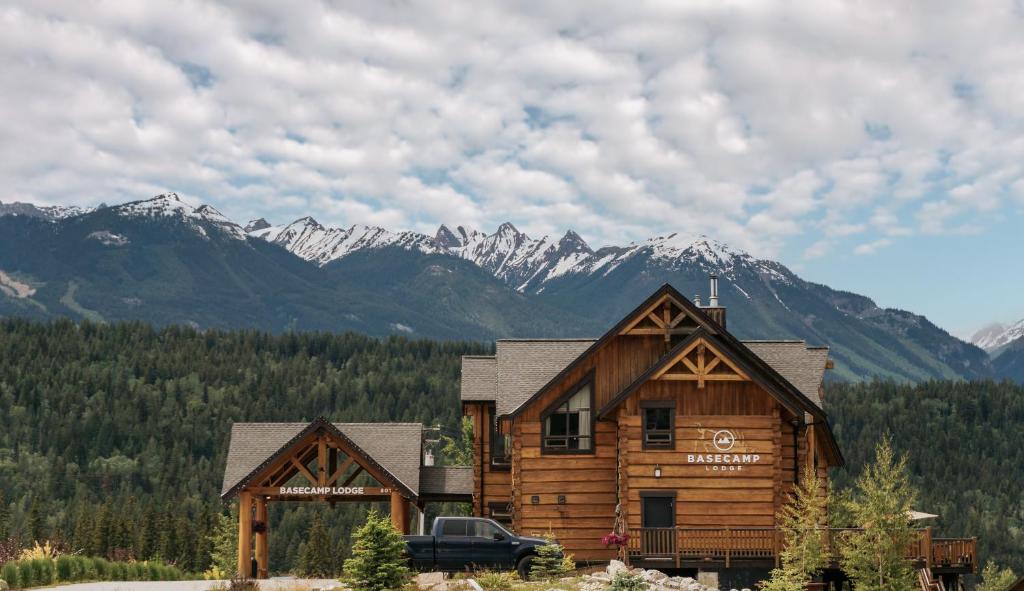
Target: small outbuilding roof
{"x":394,"y":447}
{"x":446,"y":481}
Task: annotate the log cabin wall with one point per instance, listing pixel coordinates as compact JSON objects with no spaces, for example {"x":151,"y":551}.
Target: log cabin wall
{"x":706,"y":495}
{"x":495,"y":483}
{"x":587,"y":483}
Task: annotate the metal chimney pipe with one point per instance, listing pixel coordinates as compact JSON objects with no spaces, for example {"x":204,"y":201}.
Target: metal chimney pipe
{"x":713,"y":299}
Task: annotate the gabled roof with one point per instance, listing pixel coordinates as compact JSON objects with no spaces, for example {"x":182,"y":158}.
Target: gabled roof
{"x":802,"y":366}
{"x":792,"y":398}
{"x":479,"y":378}
{"x":702,"y":320}
{"x":393,"y":448}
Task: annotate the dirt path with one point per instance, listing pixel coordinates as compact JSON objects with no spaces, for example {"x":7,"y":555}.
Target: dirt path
{"x":267,"y":585}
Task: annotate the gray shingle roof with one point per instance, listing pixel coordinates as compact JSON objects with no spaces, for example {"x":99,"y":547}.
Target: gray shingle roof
{"x":446,"y":480}
{"x":520,"y":368}
{"x":394,"y":446}
{"x":524,"y":366}
{"x":479,"y":378}
{"x":802,"y":366}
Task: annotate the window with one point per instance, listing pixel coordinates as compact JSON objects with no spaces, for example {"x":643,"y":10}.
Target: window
{"x":483,"y":529}
{"x":454,"y":527}
{"x":659,"y":424}
{"x":500,"y":445}
{"x":568,"y":425}
{"x":500,"y":512}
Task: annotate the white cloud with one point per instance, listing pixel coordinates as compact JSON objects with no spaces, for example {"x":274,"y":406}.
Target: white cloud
{"x":756,"y":123}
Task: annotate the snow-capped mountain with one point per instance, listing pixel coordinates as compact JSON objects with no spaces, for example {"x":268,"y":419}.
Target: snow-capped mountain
{"x":171,"y":205}
{"x":167,"y":260}
{"x":995,"y":337}
{"x":47,"y":212}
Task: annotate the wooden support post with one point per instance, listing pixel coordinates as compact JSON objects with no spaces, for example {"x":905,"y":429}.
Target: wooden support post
{"x":262,"y":553}
{"x":399,"y":512}
{"x":321,"y":460}
{"x":244,"y":534}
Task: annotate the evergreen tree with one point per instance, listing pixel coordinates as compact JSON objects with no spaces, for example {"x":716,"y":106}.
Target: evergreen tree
{"x":550,"y":562}
{"x":5,"y":518}
{"x":459,"y":452}
{"x":377,"y":562}
{"x":224,"y":554}
{"x":316,"y":557}
{"x":875,"y":557}
{"x":802,"y":521}
{"x":995,"y":579}
{"x":35,"y":521}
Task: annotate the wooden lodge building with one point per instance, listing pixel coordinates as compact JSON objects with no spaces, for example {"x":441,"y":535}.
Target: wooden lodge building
{"x":666,"y":428}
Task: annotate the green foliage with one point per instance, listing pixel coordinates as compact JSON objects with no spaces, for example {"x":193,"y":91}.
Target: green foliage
{"x":496,"y":580}
{"x":9,"y":573}
{"x":137,"y":474}
{"x":550,"y":562}
{"x":995,"y":579}
{"x":964,"y":444}
{"x":802,"y":520}
{"x":377,"y":562}
{"x":224,"y":552}
{"x":316,"y":556}
{"x":623,"y":581}
{"x":874,"y":558}
{"x":459,"y":452}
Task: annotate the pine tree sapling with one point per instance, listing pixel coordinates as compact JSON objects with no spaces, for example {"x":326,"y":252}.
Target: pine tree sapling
{"x":995,"y":579}
{"x":224,"y":552}
{"x":550,"y":561}
{"x":802,"y":521}
{"x":875,"y":556}
{"x":378,"y":562}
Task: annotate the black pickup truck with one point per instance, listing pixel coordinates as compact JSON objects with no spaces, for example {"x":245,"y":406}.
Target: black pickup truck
{"x":461,"y":543}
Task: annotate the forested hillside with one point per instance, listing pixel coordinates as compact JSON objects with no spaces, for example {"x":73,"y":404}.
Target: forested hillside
{"x":113,"y":438}
{"x":965,"y":442}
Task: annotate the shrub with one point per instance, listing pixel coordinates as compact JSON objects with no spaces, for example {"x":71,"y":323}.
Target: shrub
{"x":136,"y":571}
{"x":624,"y":581}
{"x":377,"y":561}
{"x":4,"y":586}
{"x":42,"y":568}
{"x":153,"y":572}
{"x":9,"y":573}
{"x":118,"y":571}
{"x":26,"y":578}
{"x":496,"y":581}
{"x":65,"y":568}
{"x":550,"y":562}
{"x":102,"y":568}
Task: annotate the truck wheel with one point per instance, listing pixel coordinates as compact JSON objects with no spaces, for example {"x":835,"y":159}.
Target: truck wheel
{"x":524,"y":566}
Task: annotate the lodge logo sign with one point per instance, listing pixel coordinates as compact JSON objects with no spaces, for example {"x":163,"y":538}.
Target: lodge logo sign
{"x":721,"y":450}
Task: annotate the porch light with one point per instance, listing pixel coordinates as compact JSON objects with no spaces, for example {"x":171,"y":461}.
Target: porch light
{"x":657,"y":470}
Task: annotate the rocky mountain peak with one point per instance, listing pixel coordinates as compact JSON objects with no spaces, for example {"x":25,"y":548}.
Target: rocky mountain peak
{"x":445,"y":238}
{"x":256,"y":225}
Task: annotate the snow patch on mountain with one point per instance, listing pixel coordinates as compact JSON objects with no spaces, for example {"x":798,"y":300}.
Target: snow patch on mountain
{"x":171,"y":205}
{"x":108,"y":238}
{"x":51,"y":213}
{"x":995,"y":337}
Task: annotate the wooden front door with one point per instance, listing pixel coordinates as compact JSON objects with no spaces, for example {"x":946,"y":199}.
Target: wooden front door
{"x":658,"y":519}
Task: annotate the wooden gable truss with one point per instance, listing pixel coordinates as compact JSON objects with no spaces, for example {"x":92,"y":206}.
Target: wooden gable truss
{"x":700,"y":362}
{"x":666,"y":316}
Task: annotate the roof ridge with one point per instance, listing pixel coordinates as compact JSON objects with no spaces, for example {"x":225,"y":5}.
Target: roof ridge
{"x":542,"y":340}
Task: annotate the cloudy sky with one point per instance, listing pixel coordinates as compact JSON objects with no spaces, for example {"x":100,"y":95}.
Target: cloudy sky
{"x":873,"y":146}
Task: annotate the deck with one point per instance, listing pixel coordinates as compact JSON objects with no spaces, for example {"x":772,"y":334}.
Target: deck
{"x":680,"y":547}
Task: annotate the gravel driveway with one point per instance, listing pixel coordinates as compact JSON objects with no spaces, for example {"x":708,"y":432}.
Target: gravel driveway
{"x":266,"y":585}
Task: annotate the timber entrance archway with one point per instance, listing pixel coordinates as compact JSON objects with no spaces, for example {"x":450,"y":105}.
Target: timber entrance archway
{"x":330,"y":462}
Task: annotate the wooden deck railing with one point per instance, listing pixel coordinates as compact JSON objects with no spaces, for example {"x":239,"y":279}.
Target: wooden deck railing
{"x":702,"y":544}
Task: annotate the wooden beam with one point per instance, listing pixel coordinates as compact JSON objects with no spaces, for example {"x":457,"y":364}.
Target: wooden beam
{"x":262,"y":552}
{"x":367,"y":491}
{"x":680,"y":330}
{"x":244,"y":534}
{"x":341,"y":470}
{"x":305,"y":472}
{"x":399,"y":512}
{"x":321,"y":460}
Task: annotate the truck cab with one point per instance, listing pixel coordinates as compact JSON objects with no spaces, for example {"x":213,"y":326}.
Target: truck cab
{"x":465,"y":543}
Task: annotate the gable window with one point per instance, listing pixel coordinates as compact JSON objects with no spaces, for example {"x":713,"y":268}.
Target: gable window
{"x":659,"y":423}
{"x":568,"y":425}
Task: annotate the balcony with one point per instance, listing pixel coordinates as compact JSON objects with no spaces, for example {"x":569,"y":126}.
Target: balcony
{"x":682,"y":547}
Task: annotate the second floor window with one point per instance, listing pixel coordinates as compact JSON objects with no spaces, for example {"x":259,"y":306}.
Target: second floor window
{"x":501,"y":448}
{"x":567,"y":425}
{"x":659,"y":424}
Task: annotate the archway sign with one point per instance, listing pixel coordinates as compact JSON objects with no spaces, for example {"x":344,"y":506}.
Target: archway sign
{"x":321,"y":461}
